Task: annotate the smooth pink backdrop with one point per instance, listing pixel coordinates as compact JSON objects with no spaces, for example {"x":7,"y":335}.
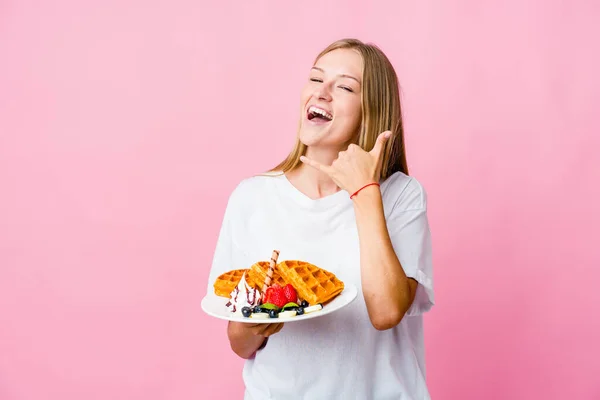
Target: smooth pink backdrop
{"x":124,"y":125}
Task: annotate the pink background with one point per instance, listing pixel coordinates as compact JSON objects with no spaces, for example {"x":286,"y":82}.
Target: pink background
{"x":125,"y":125}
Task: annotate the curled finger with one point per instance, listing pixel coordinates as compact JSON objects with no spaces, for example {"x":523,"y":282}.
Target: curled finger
{"x":272,"y":329}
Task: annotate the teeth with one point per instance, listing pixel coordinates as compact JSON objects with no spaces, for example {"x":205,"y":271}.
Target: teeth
{"x":324,"y":113}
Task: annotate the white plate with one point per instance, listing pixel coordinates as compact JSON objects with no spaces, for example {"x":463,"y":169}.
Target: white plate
{"x":214,"y":306}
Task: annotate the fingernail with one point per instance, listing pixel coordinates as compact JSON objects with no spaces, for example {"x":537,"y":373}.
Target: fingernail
{"x":388,"y":134}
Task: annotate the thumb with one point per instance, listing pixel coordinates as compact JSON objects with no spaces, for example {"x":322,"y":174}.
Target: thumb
{"x":381,"y":139}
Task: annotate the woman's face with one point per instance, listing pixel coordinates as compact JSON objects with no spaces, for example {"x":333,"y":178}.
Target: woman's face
{"x":331,"y":100}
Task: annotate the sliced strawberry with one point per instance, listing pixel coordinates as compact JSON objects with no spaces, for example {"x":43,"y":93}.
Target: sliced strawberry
{"x":277,"y":297}
{"x":268,"y":293}
{"x":290,"y":293}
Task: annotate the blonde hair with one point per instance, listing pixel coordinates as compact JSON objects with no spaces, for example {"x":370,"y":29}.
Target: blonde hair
{"x":381,"y":110}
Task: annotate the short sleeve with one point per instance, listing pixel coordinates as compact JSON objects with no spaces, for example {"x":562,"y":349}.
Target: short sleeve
{"x":409,"y":231}
{"x":222,"y":259}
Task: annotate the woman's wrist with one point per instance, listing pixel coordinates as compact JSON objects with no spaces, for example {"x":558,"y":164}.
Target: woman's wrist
{"x":367,"y":196}
{"x":370,"y":217}
{"x":363,"y":187}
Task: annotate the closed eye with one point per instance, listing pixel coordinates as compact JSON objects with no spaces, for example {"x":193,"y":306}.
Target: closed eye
{"x":316,"y":80}
{"x":347,"y":88}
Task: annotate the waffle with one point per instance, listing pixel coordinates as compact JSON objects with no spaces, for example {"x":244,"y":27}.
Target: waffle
{"x":313,"y":284}
{"x":227,"y":281}
{"x":257,"y":274}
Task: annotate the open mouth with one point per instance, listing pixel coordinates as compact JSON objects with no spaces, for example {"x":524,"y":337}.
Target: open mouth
{"x":317,"y":114}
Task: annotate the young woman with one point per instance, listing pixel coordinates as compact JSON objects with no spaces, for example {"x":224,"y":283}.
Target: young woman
{"x":341,"y":200}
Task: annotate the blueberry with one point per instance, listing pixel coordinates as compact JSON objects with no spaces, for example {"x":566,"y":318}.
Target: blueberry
{"x":304,"y":303}
{"x":246,"y":311}
{"x":300,"y":310}
{"x":273,"y":314}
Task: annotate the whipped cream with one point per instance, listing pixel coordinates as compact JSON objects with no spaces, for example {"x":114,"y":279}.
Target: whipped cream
{"x":242,"y":296}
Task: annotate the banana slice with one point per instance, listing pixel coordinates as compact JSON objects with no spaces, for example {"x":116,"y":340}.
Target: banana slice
{"x":316,"y":307}
{"x":260,"y":315}
{"x":287,"y":314}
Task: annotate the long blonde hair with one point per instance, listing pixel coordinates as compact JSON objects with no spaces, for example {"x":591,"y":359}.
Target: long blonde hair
{"x":381,"y":110}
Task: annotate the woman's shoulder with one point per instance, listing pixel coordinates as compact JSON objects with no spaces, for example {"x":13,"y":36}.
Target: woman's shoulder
{"x":404,"y":192}
{"x":257,"y":182}
{"x":254,"y":186}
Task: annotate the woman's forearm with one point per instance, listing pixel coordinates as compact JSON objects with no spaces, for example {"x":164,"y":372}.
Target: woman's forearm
{"x":244,"y":342}
{"x":387,"y":291}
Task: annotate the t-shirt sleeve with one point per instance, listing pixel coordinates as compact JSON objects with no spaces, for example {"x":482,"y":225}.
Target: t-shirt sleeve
{"x":222,"y":260}
{"x":408,"y":227}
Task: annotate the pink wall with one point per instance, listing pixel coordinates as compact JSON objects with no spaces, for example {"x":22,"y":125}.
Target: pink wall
{"x":117,"y":124}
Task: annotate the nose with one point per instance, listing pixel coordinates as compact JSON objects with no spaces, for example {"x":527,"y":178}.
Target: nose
{"x":322,"y":92}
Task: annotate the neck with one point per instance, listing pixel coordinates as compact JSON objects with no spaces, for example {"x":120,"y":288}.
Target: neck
{"x":312,"y":182}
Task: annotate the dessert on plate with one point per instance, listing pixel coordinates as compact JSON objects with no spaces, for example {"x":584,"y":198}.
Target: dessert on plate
{"x":277,"y":290}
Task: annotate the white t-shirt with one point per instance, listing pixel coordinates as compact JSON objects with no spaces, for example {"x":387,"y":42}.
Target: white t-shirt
{"x":340,"y":355}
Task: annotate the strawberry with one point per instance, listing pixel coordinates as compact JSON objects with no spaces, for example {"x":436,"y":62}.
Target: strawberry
{"x":268,"y":293}
{"x":290,"y":293}
{"x":277,"y":297}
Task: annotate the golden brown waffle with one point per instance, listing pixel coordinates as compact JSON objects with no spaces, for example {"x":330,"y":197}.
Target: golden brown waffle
{"x":257,"y":274}
{"x":227,"y":281}
{"x":313,"y":284}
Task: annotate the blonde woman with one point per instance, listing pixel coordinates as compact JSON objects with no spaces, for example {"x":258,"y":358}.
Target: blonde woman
{"x":342,"y":200}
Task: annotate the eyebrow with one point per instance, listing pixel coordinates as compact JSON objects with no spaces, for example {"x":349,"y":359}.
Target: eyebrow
{"x":342,"y":75}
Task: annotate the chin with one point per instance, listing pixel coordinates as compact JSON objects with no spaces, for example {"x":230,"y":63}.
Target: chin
{"x":323,"y":139}
{"x":311,"y":137}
